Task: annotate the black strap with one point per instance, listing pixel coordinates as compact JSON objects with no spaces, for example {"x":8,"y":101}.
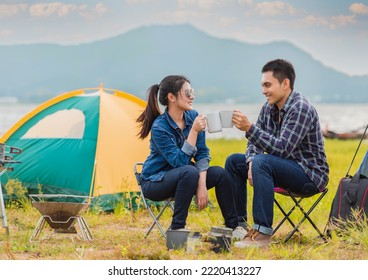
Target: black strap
{"x":360,"y":142}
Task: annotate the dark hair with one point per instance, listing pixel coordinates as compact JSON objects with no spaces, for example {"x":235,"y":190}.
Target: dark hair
{"x":282,"y":69}
{"x":173,"y":84}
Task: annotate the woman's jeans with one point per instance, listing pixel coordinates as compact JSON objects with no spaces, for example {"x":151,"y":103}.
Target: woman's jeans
{"x":181,"y":183}
{"x":268,"y":171}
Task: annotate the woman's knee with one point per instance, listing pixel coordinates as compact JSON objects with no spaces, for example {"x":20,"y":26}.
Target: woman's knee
{"x":232,"y":160}
{"x":217,"y":173}
{"x":189,"y":173}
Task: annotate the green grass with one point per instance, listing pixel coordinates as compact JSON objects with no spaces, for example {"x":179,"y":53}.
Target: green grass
{"x":120,"y":235}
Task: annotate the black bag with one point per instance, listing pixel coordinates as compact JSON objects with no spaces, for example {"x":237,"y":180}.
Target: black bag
{"x":351,"y":200}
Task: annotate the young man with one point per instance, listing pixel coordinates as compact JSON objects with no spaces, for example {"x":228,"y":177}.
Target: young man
{"x":285,"y":148}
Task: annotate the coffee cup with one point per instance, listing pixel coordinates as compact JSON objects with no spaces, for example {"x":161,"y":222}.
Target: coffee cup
{"x":213,"y":122}
{"x":226,"y":118}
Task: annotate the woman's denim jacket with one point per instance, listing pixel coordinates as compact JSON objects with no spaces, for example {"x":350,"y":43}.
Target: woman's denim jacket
{"x":169,"y":148}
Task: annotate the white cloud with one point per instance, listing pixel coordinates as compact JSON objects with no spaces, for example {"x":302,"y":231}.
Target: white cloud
{"x":313,"y":20}
{"x":331,"y":22}
{"x":59,"y":9}
{"x":49,"y":9}
{"x":275,"y":8}
{"x":343,"y":20}
{"x":100,"y":9}
{"x":359,"y":8}
{"x":10,"y":10}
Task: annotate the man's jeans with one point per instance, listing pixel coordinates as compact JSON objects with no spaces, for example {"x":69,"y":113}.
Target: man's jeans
{"x":268,"y":171}
{"x":182,"y":182}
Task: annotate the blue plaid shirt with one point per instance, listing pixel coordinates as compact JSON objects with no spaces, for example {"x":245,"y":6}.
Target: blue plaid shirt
{"x":294,"y":133}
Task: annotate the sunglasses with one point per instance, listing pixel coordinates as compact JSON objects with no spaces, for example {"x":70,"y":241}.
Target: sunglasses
{"x":189,"y":92}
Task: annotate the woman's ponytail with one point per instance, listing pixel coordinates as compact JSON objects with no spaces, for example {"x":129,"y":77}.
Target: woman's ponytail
{"x":151,"y":112}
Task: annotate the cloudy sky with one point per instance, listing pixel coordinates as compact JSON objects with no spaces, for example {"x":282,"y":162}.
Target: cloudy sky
{"x":333,"y":31}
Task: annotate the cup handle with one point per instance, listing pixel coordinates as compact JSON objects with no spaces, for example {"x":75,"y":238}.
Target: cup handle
{"x":206,"y":128}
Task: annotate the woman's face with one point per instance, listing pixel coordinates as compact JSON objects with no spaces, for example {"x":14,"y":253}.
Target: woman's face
{"x":185,"y":97}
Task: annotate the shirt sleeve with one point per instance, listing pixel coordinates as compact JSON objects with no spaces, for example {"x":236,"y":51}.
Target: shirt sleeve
{"x":189,"y":149}
{"x":202,"y":157}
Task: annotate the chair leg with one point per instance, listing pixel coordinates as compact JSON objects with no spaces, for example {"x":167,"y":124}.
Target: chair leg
{"x":156,"y":218}
{"x":306,"y":216}
{"x":155,"y":222}
{"x":286,"y":216}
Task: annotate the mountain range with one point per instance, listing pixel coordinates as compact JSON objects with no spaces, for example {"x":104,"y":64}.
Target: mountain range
{"x":220,"y":70}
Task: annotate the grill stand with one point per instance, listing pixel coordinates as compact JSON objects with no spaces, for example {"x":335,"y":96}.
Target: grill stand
{"x":63,"y":217}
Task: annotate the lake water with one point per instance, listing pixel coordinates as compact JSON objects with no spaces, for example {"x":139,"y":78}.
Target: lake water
{"x":338,"y":117}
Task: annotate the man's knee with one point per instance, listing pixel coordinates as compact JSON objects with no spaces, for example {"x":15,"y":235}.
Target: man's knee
{"x":260,"y":161}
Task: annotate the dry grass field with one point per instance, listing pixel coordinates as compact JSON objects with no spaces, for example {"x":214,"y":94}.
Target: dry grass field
{"x":120,"y":235}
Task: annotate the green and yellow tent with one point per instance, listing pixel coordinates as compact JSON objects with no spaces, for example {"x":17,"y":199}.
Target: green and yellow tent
{"x":82,"y":142}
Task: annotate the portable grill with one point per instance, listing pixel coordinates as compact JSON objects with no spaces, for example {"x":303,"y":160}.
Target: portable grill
{"x":62,"y":213}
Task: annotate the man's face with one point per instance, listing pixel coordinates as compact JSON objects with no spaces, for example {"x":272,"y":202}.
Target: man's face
{"x":275,"y":92}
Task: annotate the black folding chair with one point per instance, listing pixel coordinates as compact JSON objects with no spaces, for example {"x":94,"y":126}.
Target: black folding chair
{"x":297,"y":199}
{"x":168,"y":203}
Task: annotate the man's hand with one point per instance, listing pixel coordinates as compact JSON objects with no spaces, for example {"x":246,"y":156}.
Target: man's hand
{"x":241,"y":121}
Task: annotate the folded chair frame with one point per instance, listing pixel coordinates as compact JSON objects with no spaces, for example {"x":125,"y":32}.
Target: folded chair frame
{"x":168,"y":203}
{"x":297,"y":199}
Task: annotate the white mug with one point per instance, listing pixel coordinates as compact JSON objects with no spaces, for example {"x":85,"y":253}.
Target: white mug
{"x":226,"y":118}
{"x":213,"y":122}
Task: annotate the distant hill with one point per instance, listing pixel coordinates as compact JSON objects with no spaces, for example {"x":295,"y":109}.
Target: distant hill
{"x":221,"y":70}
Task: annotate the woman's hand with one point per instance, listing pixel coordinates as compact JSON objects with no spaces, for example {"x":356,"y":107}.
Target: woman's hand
{"x":202,"y":194}
{"x":199,"y":123}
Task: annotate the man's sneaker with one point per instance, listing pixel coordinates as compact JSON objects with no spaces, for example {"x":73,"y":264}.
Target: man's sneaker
{"x":239,"y":233}
{"x":254,"y":238}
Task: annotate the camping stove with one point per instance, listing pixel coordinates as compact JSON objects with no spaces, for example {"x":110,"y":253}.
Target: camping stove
{"x":5,"y":161}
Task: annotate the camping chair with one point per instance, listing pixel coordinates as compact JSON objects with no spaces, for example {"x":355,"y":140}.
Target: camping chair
{"x":167,"y":203}
{"x":297,"y":199}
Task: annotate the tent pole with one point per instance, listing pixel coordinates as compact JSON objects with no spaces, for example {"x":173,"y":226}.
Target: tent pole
{"x":91,"y":189}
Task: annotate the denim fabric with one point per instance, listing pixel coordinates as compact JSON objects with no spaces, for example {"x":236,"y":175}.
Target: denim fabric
{"x":182,"y":182}
{"x":169,"y":148}
{"x":268,"y":171}
{"x":237,"y":169}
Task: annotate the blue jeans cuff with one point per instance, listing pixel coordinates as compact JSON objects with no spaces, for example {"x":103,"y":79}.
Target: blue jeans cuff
{"x":262,"y":229}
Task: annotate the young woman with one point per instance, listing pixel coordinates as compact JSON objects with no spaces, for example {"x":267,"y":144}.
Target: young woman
{"x":178,"y":164}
